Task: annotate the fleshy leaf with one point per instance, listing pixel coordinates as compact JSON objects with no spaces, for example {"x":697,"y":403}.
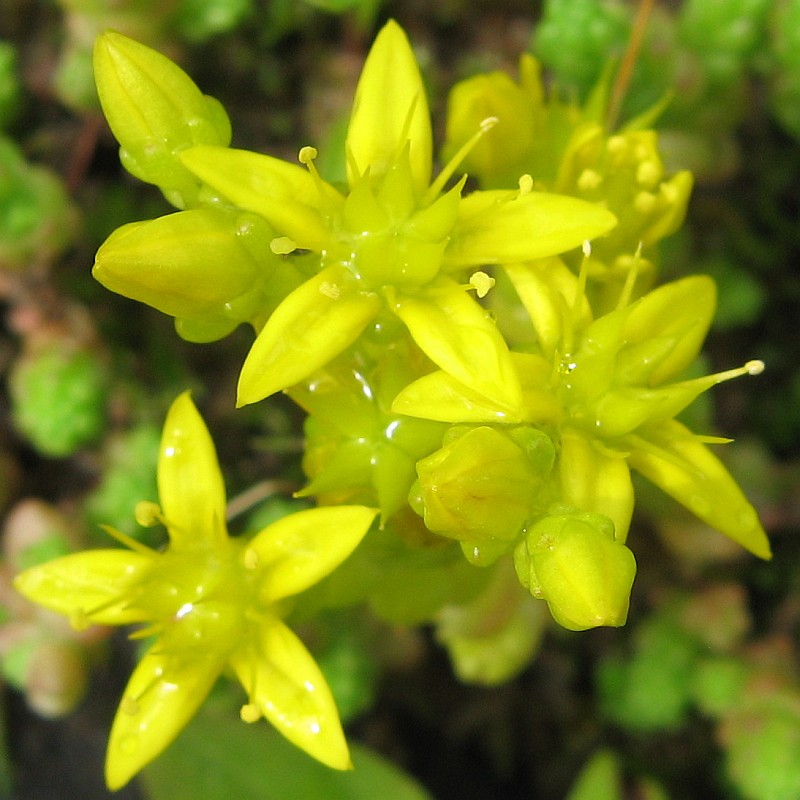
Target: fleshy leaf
{"x":287,"y":687}
{"x":389,"y":110}
{"x":460,"y":337}
{"x":190,"y":483}
{"x":497,"y":227}
{"x":298,"y":550}
{"x":677,"y":461}
{"x":312,"y":325}
{"x":92,"y":586}
{"x":285,"y":194}
{"x":162,"y":695}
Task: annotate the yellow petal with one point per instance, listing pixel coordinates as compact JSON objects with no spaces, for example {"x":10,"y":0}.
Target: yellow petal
{"x":680,"y":312}
{"x":459,"y":336}
{"x":287,"y":195}
{"x":390,"y":109}
{"x":596,"y":481}
{"x":498,"y":227}
{"x":190,"y":483}
{"x":162,"y":695}
{"x":676,"y":461}
{"x":548,"y":289}
{"x":312,"y":325}
{"x":95,"y":586}
{"x":299,"y":549}
{"x":286,"y":685}
{"x":441,"y":397}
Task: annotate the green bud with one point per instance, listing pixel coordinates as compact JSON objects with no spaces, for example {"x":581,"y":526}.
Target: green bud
{"x":580,"y":570}
{"x":478,"y":487}
{"x":499,"y":158}
{"x":217,"y":270}
{"x":155,"y":110}
{"x":493,"y":636}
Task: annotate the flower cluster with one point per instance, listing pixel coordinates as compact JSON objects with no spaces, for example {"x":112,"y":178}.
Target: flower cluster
{"x":483,"y":368}
{"x":209,"y":602}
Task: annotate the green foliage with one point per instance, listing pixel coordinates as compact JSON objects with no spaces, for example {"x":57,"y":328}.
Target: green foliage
{"x":77,"y":380}
{"x":37,"y":222}
{"x":221,"y":758}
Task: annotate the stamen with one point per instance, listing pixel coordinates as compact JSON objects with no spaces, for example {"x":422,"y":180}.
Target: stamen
{"x":282,"y":246}
{"x":525,"y":184}
{"x":754,"y":367}
{"x":481,"y":283}
{"x":148,"y":514}
{"x":81,"y":619}
{"x":327,"y":194}
{"x":630,"y":279}
{"x":438,"y":184}
{"x":249,"y":713}
{"x":129,"y":541}
{"x":574,"y":311}
{"x":147,"y":632}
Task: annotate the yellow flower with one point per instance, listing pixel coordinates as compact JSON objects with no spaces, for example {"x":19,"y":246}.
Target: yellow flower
{"x":395,"y":242}
{"x":603,"y":389}
{"x":211,"y":602}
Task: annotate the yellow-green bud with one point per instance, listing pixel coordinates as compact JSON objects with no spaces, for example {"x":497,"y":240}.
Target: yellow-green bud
{"x":480,"y":486}
{"x":155,"y":110}
{"x":218,"y":268}
{"x":576,"y":565}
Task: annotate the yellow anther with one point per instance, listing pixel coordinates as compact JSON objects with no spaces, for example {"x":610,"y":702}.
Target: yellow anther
{"x":644,"y":202}
{"x":251,"y":559}
{"x":589,"y":179}
{"x":249,"y":713}
{"x":525,"y":184}
{"x":148,"y":514}
{"x":754,"y":367}
{"x":481,"y":282}
{"x":282,"y":245}
{"x":648,"y":173}
{"x":307,"y":154}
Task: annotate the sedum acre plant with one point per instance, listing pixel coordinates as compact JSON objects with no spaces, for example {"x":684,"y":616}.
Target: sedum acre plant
{"x":481,"y":370}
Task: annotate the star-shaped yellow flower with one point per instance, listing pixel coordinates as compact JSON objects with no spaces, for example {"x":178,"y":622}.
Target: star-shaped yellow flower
{"x":211,"y":603}
{"x":600,"y":387}
{"x":393,"y":241}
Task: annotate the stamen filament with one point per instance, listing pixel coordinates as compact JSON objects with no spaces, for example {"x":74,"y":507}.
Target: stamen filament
{"x":630,"y":279}
{"x":128,"y":541}
{"x":436,"y":188}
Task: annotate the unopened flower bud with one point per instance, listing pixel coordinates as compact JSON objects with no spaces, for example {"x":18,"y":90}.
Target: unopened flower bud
{"x":477,"y":487}
{"x":580,"y":570}
{"x":155,"y":110}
